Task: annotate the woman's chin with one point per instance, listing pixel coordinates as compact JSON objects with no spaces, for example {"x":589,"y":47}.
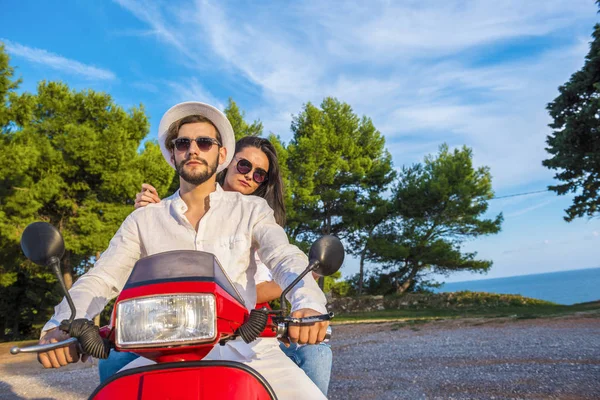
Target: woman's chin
{"x":243,"y":189}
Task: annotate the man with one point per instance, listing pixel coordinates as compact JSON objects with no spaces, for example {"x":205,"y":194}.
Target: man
{"x":198,"y":141}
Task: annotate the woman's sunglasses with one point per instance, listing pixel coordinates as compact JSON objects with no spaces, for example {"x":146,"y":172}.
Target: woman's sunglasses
{"x":244,"y":166}
{"x":203,"y":143}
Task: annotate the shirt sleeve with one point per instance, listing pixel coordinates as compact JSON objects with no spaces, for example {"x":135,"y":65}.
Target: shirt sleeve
{"x":94,"y":289}
{"x":286,"y":262}
{"x":262,"y":272}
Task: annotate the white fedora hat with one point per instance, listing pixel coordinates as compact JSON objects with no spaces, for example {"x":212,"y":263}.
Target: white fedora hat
{"x":188,"y":108}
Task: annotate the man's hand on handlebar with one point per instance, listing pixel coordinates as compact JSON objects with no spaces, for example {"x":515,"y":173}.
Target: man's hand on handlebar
{"x":62,"y":356}
{"x":307,"y":334}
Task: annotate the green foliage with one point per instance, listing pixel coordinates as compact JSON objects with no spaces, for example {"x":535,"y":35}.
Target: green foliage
{"x":69,"y":158}
{"x":411,"y":316}
{"x":468,"y":299}
{"x":375,"y":282}
{"x":335,"y":285}
{"x":27,"y":295}
{"x":431,"y":306}
{"x":338,"y":171}
{"x":75,"y":163}
{"x":334,"y":159}
{"x":574,"y":144}
{"x":380,"y":281}
{"x":371,"y":213}
{"x":240,"y":127}
{"x":437,"y":206}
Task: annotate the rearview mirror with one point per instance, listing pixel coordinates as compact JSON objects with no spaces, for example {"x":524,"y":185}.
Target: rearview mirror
{"x":42,"y":243}
{"x":329,"y":252}
{"x":325,"y":258}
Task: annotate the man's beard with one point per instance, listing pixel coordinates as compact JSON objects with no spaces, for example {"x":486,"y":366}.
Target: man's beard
{"x":197,"y":177}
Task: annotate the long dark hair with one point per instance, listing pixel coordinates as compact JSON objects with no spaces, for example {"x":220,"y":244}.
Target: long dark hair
{"x":272,"y":189}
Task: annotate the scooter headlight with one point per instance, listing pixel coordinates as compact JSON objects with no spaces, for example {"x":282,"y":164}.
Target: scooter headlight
{"x":166,"y":320}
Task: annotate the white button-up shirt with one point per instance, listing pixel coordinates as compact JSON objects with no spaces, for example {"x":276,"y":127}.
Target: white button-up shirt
{"x":234,"y":227}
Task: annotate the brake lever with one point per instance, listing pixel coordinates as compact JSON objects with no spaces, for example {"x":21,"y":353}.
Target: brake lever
{"x":304,"y":320}
{"x":42,"y":348}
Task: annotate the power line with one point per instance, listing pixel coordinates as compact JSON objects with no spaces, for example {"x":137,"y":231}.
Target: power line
{"x":520,"y":194}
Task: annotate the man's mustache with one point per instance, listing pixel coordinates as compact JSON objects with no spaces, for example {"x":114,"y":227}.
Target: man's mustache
{"x":199,"y":160}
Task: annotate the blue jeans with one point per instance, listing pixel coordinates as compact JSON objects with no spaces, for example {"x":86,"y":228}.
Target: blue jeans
{"x":115,"y":361}
{"x":314,"y":360}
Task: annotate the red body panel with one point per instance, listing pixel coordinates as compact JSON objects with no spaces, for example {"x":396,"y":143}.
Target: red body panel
{"x":196,"y":383}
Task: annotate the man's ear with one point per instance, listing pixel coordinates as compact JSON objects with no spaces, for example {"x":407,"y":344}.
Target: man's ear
{"x":222,"y":155}
{"x":172,"y":157}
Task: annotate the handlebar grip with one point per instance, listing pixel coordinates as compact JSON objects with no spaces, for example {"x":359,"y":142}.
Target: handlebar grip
{"x":42,"y":348}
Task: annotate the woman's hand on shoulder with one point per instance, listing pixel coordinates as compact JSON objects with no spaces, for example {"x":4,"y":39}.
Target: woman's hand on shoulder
{"x":148,"y":195}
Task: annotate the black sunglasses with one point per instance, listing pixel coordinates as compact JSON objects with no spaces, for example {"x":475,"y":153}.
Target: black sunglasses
{"x":244,"y":166}
{"x":203,"y":143}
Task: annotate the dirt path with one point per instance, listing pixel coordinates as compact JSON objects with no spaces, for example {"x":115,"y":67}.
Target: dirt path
{"x":459,"y":359}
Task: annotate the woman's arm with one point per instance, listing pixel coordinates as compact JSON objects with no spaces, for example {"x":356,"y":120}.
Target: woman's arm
{"x":267,"y":291}
{"x":266,"y":288}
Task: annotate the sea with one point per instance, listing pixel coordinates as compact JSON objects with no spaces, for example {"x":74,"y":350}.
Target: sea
{"x":565,"y":287}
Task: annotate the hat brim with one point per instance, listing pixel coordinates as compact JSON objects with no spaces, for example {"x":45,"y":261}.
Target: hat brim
{"x":188,"y":108}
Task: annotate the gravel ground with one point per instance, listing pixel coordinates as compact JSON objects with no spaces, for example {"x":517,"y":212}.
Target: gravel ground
{"x":469,"y":359}
{"x":463,"y":359}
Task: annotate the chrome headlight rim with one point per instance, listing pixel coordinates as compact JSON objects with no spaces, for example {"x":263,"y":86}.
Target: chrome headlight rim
{"x":170,"y":344}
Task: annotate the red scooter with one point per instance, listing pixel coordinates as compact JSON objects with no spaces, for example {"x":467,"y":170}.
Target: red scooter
{"x":175,"y":307}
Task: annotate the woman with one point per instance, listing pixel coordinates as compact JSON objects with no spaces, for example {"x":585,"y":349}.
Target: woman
{"x":254,"y":170}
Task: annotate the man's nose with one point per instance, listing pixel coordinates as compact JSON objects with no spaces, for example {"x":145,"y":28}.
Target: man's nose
{"x":194,"y":149}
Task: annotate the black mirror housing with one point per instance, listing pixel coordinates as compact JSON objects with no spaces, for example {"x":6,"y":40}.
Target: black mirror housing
{"x":329,"y":254}
{"x":42,"y":243}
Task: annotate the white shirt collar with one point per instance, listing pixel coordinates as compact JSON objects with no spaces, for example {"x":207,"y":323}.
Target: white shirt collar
{"x":179,"y":206}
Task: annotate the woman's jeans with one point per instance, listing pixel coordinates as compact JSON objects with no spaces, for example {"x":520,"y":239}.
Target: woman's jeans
{"x":315,"y":360}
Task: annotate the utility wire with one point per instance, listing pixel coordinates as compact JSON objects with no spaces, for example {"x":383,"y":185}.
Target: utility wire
{"x":520,"y":194}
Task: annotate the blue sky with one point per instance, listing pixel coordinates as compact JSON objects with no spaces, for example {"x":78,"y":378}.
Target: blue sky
{"x":478,"y":73}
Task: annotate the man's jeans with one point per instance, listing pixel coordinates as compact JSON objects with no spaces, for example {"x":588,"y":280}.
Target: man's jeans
{"x":314,"y":360}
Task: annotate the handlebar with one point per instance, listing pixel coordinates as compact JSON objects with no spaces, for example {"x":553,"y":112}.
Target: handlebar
{"x":282,"y":330}
{"x":283,"y":324}
{"x":83,"y":332}
{"x":42,"y":348}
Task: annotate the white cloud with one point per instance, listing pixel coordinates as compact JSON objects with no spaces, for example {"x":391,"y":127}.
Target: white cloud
{"x":57,"y":62}
{"x":150,"y":13}
{"x":191,"y":89}
{"x":431,"y":28}
{"x":407,"y":65}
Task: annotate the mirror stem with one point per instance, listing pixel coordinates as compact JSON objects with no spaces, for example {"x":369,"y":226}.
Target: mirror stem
{"x":55,"y":264}
{"x":311,"y":267}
